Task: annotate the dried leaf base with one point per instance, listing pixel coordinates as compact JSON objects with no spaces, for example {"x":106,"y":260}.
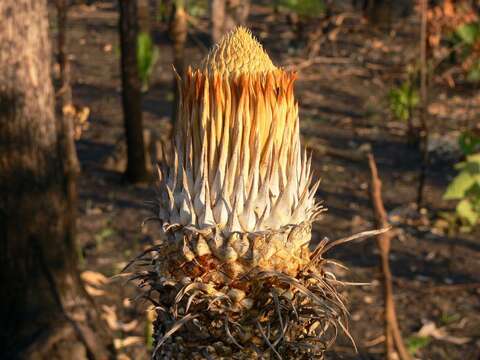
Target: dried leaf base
{"x":255,"y":304}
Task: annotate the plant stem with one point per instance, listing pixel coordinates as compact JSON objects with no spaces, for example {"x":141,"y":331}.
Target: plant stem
{"x":424,"y":134}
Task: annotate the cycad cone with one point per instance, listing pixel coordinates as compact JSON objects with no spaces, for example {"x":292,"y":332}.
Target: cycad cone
{"x":232,"y":277}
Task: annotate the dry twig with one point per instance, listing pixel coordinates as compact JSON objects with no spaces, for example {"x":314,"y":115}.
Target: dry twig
{"x":393,"y":337}
{"x":424,"y":101}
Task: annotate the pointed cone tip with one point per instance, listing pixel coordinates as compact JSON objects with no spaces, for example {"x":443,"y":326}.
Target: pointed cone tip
{"x":238,"y":52}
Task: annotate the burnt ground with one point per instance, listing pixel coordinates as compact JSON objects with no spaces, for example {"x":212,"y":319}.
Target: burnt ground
{"x":344,"y":109}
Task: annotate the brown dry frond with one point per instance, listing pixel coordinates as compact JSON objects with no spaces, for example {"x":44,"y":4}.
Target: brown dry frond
{"x":297,"y":317}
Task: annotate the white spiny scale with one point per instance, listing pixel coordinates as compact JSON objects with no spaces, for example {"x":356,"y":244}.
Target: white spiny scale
{"x":233,"y":224}
{"x":221,"y":211}
{"x":208,"y":219}
{"x":191,"y":218}
{"x":262,"y":223}
{"x":248,"y":216}
{"x":187,"y":163}
{"x":237,"y":161}
{"x":198,"y":187}
{"x":301,"y":209}
{"x":233,"y":164}
{"x":221,"y":205}
{"x":291,"y":190}
{"x":185,"y":213}
{"x":304,"y":176}
{"x":273,"y":177}
{"x":218,"y":105}
{"x":262,"y":199}
{"x":238,"y":202}
{"x":312,"y":206}
{"x":243,"y":217}
{"x":172,"y":175}
{"x":282,"y":163}
{"x":212,"y":149}
{"x":174,"y":217}
{"x":221,"y":173}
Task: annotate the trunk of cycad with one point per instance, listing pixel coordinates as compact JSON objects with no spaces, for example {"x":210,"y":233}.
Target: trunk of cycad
{"x":234,"y":276}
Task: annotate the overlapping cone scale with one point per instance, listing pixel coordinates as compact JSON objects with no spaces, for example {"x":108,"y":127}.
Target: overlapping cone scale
{"x":238,"y":53}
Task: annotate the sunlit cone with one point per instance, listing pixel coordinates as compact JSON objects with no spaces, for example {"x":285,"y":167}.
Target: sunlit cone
{"x":234,"y":276}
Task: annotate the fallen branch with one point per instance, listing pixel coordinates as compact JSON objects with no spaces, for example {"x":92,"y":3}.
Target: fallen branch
{"x":354,"y":155}
{"x":393,"y":337}
{"x":438,"y":288}
{"x":317,"y":60}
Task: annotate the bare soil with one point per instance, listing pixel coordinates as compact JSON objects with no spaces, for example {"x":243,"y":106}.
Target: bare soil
{"x":344,"y":109}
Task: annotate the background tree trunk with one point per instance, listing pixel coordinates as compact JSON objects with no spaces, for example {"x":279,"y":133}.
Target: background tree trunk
{"x":45,"y":311}
{"x":65,"y":114}
{"x":144,"y":11}
{"x":178,"y":33}
{"x":131,"y":92}
{"x":217,"y":16}
{"x":382,"y":13}
{"x":65,"y":91}
{"x":226,"y":15}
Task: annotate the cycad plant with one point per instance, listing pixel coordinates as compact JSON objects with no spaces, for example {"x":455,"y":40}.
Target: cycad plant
{"x":234,"y":276}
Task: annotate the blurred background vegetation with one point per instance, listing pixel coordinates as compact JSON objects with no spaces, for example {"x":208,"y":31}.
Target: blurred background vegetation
{"x":399,"y":79}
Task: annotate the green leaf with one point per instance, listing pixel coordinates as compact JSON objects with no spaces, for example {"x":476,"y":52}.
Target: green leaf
{"x":474,"y":158}
{"x":459,"y":186}
{"x":473,"y":74}
{"x":197,"y":8}
{"x":104,"y":234}
{"x":149,"y":334}
{"x":465,"y":229}
{"x":414,"y":98}
{"x":468,"y":33}
{"x":466,"y":211}
{"x":306,"y":8}
{"x":460,"y":166}
{"x":472,"y":166}
{"x":469,"y":142}
{"x":466,"y":188}
{"x":403,"y":100}
{"x":448,"y":216}
{"x":447,"y":319}
{"x":474,"y":194}
{"x":147,"y":56}
{"x":415,"y":343}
